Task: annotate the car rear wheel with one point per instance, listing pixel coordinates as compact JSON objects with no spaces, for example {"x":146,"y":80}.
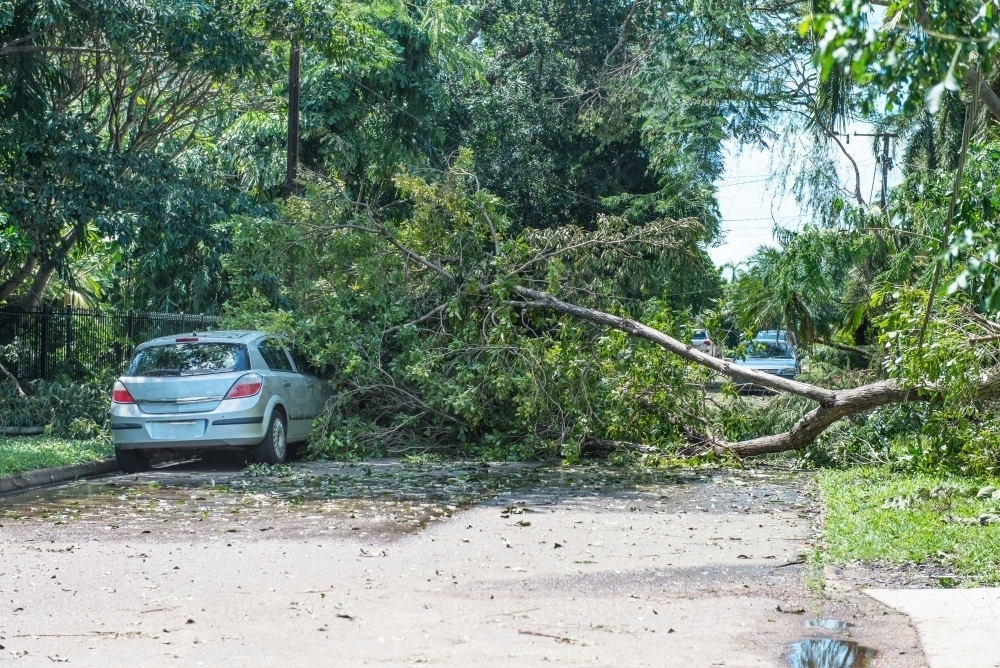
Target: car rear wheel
{"x":274,"y":447}
{"x":132,"y":461}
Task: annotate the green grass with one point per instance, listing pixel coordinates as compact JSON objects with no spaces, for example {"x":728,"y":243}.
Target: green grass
{"x":27,"y":453}
{"x":874,"y":515}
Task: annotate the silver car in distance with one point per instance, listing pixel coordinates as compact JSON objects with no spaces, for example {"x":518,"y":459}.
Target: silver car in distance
{"x":213,"y":390}
{"x":773,"y":352}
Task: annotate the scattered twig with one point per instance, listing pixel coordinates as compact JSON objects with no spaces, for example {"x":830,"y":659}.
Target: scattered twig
{"x":563,"y":639}
{"x":794,"y":562}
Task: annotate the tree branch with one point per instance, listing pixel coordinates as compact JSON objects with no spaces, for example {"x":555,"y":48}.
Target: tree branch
{"x":424,"y":318}
{"x":383,"y":232}
{"x":986,"y":94}
{"x":489,"y":224}
{"x":13,"y":379}
{"x":625,"y":26}
{"x":854,"y":164}
{"x":544,"y":300}
{"x":11,"y":285}
{"x":846,"y":348}
{"x":834,"y":405}
{"x":603,"y":446}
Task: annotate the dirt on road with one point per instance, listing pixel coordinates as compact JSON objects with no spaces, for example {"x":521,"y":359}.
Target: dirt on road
{"x":385,"y":563}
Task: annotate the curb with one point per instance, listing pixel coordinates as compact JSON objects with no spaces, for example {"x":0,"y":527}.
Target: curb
{"x":20,"y":482}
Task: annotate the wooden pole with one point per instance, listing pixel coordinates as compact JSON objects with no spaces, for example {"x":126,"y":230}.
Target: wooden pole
{"x":293,"y":120}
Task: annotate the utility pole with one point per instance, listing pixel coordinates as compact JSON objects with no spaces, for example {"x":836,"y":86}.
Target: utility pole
{"x":293,"y":119}
{"x":885,"y":159}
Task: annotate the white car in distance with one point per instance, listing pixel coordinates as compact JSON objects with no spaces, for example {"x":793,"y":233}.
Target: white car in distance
{"x":702,"y":342}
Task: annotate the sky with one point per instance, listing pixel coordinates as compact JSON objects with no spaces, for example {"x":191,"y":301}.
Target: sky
{"x":751,"y":204}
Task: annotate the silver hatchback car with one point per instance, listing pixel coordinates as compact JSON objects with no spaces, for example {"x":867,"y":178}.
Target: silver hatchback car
{"x":210,"y":390}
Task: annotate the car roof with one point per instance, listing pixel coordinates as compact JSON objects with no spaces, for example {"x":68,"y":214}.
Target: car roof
{"x":773,"y":335}
{"x":222,"y":336}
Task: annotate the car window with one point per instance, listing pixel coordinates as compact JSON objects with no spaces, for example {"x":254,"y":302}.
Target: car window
{"x":762,"y":349}
{"x":274,"y":355}
{"x":302,"y":365}
{"x":699,"y":334}
{"x":189,"y":359}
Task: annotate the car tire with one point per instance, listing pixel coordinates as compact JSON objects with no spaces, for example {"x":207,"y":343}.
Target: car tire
{"x":274,"y":448}
{"x":132,"y":461}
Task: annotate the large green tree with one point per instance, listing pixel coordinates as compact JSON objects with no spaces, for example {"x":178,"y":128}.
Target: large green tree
{"x":111,"y":112}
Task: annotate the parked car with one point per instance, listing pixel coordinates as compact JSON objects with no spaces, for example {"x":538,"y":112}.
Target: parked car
{"x":702,"y":342}
{"x":213,"y":390}
{"x":774,"y":352}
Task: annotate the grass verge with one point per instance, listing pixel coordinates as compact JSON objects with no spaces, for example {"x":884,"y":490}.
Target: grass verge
{"x":27,"y":453}
{"x":875,"y":515}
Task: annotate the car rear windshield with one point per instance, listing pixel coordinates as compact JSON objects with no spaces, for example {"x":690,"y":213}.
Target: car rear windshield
{"x":189,"y":359}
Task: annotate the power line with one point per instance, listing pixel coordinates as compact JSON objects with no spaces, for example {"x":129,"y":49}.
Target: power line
{"x":790,"y":215}
{"x":742,"y":183}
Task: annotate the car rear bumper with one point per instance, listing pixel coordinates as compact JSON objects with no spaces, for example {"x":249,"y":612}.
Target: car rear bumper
{"x":235,"y":423}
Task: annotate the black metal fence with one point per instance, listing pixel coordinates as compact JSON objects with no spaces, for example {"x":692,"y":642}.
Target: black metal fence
{"x":77,"y":344}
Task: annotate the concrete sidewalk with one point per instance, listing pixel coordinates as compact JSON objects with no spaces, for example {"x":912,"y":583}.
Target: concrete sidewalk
{"x":958,"y":628}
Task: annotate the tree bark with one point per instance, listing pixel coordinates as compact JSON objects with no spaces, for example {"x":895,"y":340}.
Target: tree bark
{"x":986,"y":94}
{"x":833,"y":404}
{"x":44,"y":273}
{"x":17,"y":280}
{"x":33,"y":297}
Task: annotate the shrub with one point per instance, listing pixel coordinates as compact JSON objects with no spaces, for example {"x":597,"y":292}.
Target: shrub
{"x":72,"y":410}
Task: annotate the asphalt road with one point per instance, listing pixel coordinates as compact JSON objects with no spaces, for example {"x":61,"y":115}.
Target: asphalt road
{"x":456,"y":564}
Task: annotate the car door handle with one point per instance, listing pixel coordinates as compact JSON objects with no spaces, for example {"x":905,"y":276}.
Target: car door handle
{"x":286,"y":384}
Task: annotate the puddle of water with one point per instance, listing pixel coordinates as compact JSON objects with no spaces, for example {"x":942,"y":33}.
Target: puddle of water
{"x":829,"y":653}
{"x":828,"y":624}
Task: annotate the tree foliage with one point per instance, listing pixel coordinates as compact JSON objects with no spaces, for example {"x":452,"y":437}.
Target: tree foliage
{"x":494,"y":195}
{"x":408,"y":309}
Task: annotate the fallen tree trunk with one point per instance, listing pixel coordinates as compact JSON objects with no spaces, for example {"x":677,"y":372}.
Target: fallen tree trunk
{"x":21,"y":431}
{"x":777,"y":383}
{"x":601,"y":446}
{"x":833,"y":404}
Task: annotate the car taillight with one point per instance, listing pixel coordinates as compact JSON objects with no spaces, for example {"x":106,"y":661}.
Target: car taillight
{"x":707,"y":342}
{"x":186,"y":339}
{"x":247,"y":386}
{"x":120,"y":394}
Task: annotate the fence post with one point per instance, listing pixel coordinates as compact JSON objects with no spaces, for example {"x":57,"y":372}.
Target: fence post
{"x":45,"y":343}
{"x":130,"y":340}
{"x":182,"y":322}
{"x":69,"y":340}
